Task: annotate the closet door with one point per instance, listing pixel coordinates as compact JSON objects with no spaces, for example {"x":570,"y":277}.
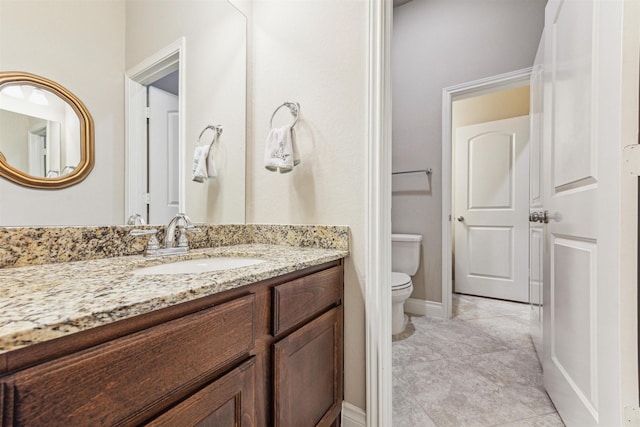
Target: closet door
{"x":164,"y":189}
{"x":492,"y":209}
{"x":582,"y":171}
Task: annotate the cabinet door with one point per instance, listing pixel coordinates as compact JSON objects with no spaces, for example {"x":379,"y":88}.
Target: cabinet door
{"x":226,"y":402}
{"x":308,"y":373}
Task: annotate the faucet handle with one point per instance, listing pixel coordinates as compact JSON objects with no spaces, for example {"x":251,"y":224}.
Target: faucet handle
{"x":183,"y":240}
{"x":136,"y":219}
{"x":153,"y":245}
{"x":142,"y":231}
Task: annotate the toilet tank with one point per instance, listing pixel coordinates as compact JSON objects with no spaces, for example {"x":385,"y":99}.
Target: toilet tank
{"x":405,"y":253}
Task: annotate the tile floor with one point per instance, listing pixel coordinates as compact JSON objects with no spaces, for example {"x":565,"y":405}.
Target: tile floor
{"x":478,"y":369}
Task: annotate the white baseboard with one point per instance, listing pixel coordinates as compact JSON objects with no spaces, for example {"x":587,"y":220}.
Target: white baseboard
{"x":424,"y":308}
{"x":352,"y":416}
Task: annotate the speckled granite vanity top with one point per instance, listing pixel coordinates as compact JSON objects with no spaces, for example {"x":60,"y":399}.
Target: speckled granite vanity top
{"x":42,"y":302}
{"x":39,"y":303}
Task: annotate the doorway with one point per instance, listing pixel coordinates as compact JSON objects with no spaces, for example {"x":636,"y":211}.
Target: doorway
{"x":154,"y":179}
{"x":163,"y":99}
{"x":490,"y":136}
{"x":471,"y":96}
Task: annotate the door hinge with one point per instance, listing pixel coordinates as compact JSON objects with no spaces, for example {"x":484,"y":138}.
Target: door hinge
{"x":146,"y":198}
{"x":632,"y":416}
{"x":147,"y":112}
{"x":631,"y":159}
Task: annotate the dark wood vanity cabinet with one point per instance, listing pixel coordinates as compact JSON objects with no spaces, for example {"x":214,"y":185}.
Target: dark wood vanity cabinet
{"x":260,"y":355}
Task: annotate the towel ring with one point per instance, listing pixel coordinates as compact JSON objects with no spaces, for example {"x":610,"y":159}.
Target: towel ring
{"x":218,"y":132}
{"x":294,"y":109}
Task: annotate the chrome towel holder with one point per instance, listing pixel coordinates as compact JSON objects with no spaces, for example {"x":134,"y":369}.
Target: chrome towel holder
{"x":218,"y":131}
{"x":294,"y":109}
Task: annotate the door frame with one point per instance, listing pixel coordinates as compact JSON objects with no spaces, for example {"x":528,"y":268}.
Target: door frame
{"x":484,"y":86}
{"x":165,"y":61}
{"x":377,"y":292}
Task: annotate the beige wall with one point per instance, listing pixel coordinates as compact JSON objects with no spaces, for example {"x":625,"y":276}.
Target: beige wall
{"x":315,"y":52}
{"x":78,"y":44}
{"x":500,"y":105}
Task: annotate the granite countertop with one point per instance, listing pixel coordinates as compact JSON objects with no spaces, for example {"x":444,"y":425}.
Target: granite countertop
{"x":43,"y":302}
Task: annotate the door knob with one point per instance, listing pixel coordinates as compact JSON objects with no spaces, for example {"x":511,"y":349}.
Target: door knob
{"x":542,"y":216}
{"x":460,"y":218}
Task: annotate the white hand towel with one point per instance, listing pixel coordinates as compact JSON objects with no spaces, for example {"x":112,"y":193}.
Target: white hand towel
{"x":203,"y":165}
{"x":212,"y":172}
{"x":200,"y":164}
{"x":281,"y":153}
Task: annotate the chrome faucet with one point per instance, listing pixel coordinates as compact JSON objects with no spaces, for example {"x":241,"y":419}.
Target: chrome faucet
{"x":183,"y":223}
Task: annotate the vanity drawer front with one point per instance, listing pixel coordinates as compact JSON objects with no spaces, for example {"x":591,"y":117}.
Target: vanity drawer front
{"x":228,"y":401}
{"x":303,"y":299}
{"x":119,"y":381}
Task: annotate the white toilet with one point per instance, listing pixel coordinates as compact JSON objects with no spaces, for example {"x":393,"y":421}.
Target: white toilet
{"x":405,"y":260}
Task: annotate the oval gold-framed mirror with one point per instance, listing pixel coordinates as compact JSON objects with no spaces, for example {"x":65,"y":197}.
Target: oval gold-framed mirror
{"x":46,"y":133}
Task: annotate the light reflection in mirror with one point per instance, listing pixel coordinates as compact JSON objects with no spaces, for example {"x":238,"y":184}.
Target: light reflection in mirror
{"x":39,"y":132}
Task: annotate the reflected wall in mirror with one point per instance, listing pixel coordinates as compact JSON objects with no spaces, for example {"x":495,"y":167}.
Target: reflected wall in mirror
{"x":89,"y":51}
{"x":46,"y":133}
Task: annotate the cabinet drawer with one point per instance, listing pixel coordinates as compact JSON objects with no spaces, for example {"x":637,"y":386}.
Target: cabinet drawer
{"x":228,"y":401}
{"x":119,"y":381}
{"x":302,"y":299}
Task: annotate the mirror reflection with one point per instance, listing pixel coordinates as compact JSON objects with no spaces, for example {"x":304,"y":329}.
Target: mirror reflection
{"x":39,"y":132}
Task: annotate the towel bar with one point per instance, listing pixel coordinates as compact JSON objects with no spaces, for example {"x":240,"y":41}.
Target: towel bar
{"x":425,"y":171}
{"x":294,"y":109}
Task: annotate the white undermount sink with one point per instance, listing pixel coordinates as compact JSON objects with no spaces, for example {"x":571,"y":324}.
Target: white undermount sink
{"x":203,"y":265}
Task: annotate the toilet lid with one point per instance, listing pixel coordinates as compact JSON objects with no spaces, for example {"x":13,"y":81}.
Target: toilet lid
{"x":399,"y":280}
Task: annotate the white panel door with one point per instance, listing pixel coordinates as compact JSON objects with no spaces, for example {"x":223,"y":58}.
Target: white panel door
{"x":163,"y":151}
{"x":37,"y":154}
{"x":491,"y":209}
{"x":536,"y":229}
{"x":581,"y":349}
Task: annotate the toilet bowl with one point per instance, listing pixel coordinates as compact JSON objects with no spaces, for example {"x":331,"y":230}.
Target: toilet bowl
{"x":405,"y":260}
{"x":401,"y":289}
